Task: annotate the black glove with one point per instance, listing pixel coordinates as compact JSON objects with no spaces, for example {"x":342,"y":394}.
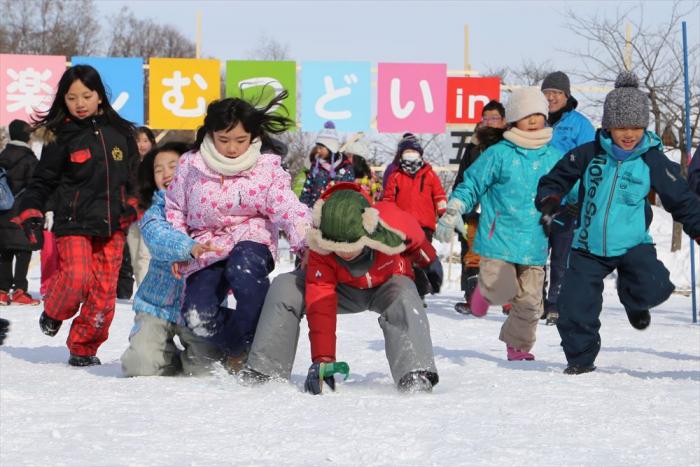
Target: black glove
{"x":549,"y":206}
{"x":573,"y":210}
{"x":313,"y":383}
{"x":434,"y":273}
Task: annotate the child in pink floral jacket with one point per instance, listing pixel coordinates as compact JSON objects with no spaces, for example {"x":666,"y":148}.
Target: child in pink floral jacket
{"x":231,"y":195}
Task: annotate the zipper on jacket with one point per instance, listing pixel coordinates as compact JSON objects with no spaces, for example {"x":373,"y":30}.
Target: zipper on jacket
{"x":75,"y":206}
{"x":607,"y":211}
{"x":109,"y":201}
{"x":422,"y":182}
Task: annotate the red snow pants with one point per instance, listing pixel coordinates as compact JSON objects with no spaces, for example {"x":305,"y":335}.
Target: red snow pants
{"x":88,"y":272}
{"x":49,"y":261}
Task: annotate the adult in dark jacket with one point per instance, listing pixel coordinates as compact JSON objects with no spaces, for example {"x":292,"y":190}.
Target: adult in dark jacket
{"x":570,"y":129}
{"x":89,"y":161}
{"x":19,"y":162}
{"x":488,"y":133}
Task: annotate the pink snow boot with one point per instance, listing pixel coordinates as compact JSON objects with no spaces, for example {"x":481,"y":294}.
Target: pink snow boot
{"x":517,"y":355}
{"x":478,"y":304}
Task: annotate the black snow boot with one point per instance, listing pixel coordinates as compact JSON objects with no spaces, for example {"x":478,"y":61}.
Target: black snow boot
{"x":418,"y":381}
{"x":639,"y":320}
{"x":4,"y":328}
{"x":86,"y":360}
{"x":48,"y":325}
{"x":578,"y":369}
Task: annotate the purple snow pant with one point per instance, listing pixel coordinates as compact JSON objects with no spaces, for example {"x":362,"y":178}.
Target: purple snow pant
{"x":245,"y":273}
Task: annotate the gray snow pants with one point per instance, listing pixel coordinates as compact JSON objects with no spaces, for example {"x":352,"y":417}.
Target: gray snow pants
{"x":402,"y":318}
{"x":152,"y":351}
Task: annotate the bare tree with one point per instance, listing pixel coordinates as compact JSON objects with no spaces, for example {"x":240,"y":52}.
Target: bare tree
{"x":269,"y":48}
{"x":144,"y":38}
{"x":656,"y":58}
{"x":50,"y":27}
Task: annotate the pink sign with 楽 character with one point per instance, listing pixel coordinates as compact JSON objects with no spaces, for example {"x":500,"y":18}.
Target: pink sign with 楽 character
{"x":411,"y":97}
{"x":28,"y":84}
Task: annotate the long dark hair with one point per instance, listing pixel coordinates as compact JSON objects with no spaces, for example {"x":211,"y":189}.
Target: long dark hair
{"x":144,"y":130}
{"x":147,"y":182}
{"x":53,"y":118}
{"x":226,"y":113}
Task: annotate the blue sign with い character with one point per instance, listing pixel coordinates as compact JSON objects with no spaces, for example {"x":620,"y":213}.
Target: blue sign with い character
{"x":336,"y":91}
{"x":123,"y":79}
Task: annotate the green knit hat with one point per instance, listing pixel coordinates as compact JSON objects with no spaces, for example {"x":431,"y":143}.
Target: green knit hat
{"x":345,"y":222}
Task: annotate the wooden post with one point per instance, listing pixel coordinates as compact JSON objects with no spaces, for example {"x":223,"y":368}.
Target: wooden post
{"x":467,"y":66}
{"x":198,"y":38}
{"x":628,"y":47}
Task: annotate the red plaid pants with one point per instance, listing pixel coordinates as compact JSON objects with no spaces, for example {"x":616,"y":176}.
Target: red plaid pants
{"x":88,"y":272}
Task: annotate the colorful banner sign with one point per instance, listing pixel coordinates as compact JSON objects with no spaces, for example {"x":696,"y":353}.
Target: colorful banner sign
{"x":123,"y":78}
{"x":336,"y":91}
{"x":180,"y":90}
{"x":466,"y":98}
{"x":260,"y":81}
{"x":28,"y":84}
{"x":411,"y":97}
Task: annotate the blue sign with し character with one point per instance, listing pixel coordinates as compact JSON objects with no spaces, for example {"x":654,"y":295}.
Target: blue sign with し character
{"x":123,"y":79}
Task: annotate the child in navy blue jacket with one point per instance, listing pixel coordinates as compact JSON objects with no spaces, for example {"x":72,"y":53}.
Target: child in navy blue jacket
{"x":616,"y":171}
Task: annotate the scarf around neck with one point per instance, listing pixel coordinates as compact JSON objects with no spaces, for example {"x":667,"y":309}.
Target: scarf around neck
{"x":227,"y":165}
{"x":529,"y":139}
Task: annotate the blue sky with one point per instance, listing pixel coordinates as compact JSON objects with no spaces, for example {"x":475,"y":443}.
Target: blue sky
{"x":501,"y":32}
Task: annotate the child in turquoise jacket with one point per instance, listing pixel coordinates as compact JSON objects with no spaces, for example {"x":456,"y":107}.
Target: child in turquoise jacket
{"x":509,"y":239}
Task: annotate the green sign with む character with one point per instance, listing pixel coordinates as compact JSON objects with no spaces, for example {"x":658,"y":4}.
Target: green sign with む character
{"x":260,"y":81}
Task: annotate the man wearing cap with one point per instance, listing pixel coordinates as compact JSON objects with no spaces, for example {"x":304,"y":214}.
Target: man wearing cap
{"x":570,"y":129}
{"x":361,"y":258}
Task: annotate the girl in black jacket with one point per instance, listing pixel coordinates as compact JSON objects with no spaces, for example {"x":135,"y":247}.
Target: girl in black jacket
{"x":89,"y":161}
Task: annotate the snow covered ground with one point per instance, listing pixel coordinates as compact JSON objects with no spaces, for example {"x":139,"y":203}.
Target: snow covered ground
{"x":642,"y":406}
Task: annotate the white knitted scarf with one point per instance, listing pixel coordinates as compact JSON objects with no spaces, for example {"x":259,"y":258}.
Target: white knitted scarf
{"x":228,"y":165}
{"x":529,"y":139}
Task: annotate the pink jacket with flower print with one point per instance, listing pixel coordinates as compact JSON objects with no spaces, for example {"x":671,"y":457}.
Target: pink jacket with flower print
{"x":225,"y":210}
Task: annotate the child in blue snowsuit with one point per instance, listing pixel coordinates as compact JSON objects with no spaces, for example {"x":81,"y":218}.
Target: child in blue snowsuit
{"x":616,"y":172}
{"x":158,"y":300}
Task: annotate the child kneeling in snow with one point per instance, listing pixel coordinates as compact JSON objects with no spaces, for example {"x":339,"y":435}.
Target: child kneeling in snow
{"x":158,"y":301}
{"x":511,"y":242}
{"x":361,"y":259}
{"x":616,"y":171}
{"x":230,"y":194}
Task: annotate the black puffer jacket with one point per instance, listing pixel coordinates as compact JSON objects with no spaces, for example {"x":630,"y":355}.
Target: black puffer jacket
{"x":90,"y":167}
{"x":19,"y":161}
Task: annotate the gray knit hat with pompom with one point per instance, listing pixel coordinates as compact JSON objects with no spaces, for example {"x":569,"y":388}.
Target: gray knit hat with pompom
{"x":626,"y":106}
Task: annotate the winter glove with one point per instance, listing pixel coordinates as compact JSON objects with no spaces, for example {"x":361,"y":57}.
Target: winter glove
{"x":573,"y":210}
{"x":314,"y":383}
{"x":434,"y":273}
{"x":450,"y":221}
{"x":549,"y":206}
{"x":32,"y":223}
{"x":48,"y":220}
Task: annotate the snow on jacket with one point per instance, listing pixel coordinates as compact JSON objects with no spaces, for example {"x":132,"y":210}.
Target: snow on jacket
{"x":615,"y":212}
{"x":90,"y":168}
{"x":227,"y":209}
{"x":504,"y":180}
{"x":319,"y":179}
{"x":160,"y":293}
{"x":19,"y":161}
{"x":324,"y":273}
{"x":421,"y":194}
